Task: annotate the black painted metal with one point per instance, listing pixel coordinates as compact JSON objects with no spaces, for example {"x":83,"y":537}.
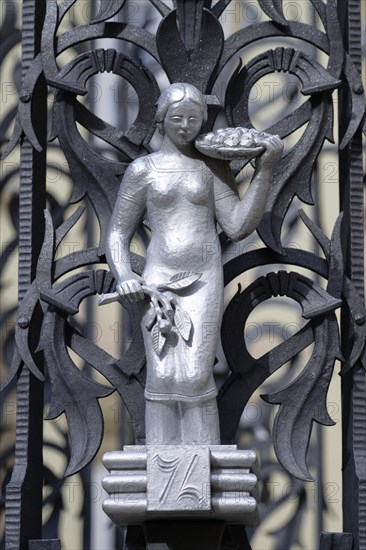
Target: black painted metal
{"x":42,"y":544}
{"x":336,"y":541}
{"x":353,"y":381}
{"x":199,"y":55}
{"x":24,"y":491}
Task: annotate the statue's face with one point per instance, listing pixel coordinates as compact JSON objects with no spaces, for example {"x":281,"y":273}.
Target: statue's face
{"x":183,"y":122}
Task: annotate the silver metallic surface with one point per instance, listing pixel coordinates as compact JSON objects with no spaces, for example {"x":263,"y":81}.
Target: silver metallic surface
{"x":133,"y":459}
{"x":184,"y":195}
{"x":181,"y":482}
{"x":126,"y":483}
{"x":228,"y":457}
{"x":178,"y":478}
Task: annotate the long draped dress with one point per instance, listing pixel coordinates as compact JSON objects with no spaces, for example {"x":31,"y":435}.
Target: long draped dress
{"x":181,"y":212}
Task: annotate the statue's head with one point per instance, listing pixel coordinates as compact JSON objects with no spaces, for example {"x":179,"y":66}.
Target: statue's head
{"x":176,"y":93}
{"x":180,"y":100}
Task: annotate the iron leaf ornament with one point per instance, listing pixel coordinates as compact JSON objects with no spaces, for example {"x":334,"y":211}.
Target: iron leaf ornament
{"x":304,"y":400}
{"x":74,"y":394}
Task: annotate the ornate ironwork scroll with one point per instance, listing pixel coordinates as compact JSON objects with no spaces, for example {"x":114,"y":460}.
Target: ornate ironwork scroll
{"x":51,"y":288}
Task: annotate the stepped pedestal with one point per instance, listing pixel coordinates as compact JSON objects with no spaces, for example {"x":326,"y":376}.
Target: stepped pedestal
{"x":187,"y":482}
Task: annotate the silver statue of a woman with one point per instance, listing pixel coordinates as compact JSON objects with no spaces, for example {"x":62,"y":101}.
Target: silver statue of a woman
{"x":184,"y":194}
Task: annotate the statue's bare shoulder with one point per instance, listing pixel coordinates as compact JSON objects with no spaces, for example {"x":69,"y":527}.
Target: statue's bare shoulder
{"x":138,"y":169}
{"x":133,"y":189}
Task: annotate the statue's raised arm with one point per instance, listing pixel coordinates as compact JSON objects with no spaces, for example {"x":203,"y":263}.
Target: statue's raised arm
{"x":239,"y":218}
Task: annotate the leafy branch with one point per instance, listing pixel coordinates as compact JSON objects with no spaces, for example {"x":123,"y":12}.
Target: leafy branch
{"x":165,"y":316}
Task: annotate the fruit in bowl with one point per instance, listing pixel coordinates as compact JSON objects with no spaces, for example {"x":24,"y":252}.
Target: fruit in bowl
{"x":232,"y":143}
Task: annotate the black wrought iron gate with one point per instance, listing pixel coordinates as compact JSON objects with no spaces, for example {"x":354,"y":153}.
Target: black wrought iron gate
{"x":317,"y":44}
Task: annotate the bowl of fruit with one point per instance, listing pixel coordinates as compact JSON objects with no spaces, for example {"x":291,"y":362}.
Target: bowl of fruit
{"x":232,"y":143}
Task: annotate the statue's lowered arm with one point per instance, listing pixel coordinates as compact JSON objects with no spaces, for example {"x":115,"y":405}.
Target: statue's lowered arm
{"x":127,"y":214}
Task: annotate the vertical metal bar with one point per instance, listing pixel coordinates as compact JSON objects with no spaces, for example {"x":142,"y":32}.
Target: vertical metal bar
{"x":24,"y":492}
{"x":353,"y":383}
{"x":318,"y":451}
{"x":86,"y":473}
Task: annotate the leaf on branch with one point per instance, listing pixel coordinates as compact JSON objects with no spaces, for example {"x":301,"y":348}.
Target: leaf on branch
{"x":158,"y":339}
{"x":183,"y":322}
{"x":180,"y":281}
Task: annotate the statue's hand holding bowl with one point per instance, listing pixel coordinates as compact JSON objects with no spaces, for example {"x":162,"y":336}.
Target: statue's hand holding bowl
{"x":273,"y":148}
{"x":241,"y":143}
{"x":131,"y":289}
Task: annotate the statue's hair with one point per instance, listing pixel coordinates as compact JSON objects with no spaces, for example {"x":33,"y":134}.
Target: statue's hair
{"x":175,"y":93}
